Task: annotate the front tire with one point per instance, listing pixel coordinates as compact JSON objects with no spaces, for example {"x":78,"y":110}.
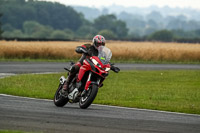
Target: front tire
{"x":59,"y":100}
{"x":89,"y":97}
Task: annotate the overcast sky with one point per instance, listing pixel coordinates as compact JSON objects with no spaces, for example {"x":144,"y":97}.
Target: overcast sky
{"x":139,"y":3}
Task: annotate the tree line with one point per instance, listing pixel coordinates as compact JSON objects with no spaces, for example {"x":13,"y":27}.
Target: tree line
{"x":40,"y":19}
{"x":47,"y":20}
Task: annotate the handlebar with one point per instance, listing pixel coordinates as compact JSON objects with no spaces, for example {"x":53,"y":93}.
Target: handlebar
{"x":115,"y":69}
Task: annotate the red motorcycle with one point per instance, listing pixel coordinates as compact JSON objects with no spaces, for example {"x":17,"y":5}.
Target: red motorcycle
{"x":97,"y":69}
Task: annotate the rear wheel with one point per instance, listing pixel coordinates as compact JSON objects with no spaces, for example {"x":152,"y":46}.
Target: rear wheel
{"x":59,"y":99}
{"x":89,"y":97}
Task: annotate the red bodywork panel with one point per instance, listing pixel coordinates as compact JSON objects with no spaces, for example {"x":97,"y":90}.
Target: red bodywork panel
{"x":87,"y":67}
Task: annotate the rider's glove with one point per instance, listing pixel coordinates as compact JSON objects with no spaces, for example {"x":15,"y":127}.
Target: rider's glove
{"x":81,"y":50}
{"x":115,"y":69}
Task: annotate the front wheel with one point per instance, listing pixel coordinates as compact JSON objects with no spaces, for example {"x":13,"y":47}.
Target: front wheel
{"x":89,"y":97}
{"x":59,"y":100}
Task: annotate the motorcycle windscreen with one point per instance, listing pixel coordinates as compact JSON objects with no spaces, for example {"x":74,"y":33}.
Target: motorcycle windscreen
{"x":104,"y":55}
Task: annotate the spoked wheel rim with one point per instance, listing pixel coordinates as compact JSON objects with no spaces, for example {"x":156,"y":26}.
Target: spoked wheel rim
{"x":87,"y":95}
{"x":59,"y":94}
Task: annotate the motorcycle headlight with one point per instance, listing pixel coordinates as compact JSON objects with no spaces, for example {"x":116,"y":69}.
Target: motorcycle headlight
{"x":107,"y":69}
{"x":96,"y":63}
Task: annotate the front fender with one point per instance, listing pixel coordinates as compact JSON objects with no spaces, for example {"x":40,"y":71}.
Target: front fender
{"x":88,"y":83}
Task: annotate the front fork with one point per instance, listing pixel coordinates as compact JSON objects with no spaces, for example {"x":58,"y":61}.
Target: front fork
{"x":91,"y":82}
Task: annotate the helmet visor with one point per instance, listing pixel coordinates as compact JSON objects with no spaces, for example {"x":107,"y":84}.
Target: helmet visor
{"x":98,"y":44}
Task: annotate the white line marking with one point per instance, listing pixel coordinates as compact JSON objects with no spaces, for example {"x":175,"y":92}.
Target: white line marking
{"x":110,"y":106}
{"x":6,"y":95}
{"x":3,"y":75}
{"x":149,"y":110}
{"x":44,"y":73}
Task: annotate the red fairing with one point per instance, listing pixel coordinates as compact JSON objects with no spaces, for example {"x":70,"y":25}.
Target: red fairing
{"x":87,"y":67}
{"x":84,"y":68}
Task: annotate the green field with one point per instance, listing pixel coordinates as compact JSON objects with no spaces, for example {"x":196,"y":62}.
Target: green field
{"x":169,"y":90}
{"x":10,"y":131}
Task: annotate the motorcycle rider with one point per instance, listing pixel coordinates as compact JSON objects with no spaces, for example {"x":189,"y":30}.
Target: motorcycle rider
{"x":87,"y":50}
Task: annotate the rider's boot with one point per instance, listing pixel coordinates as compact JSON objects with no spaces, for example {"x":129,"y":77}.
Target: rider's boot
{"x":66,"y":83}
{"x":65,"y":87}
{"x":72,"y":74}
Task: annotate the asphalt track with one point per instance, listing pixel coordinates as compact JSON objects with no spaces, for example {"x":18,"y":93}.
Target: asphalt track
{"x":36,"y":115}
{"x":38,"y":67}
{"x":17,"y":113}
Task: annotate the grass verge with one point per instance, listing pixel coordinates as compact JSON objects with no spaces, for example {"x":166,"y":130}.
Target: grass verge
{"x":113,"y":61}
{"x":12,"y":131}
{"x":169,"y":90}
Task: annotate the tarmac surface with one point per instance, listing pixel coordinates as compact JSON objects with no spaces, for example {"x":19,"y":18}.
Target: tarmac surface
{"x":41,"y":67}
{"x":36,"y":115}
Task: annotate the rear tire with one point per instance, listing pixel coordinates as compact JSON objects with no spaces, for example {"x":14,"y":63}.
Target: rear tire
{"x":59,"y":100}
{"x":89,"y":97}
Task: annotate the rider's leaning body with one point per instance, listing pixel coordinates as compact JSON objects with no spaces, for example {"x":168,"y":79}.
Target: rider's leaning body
{"x":87,"y":50}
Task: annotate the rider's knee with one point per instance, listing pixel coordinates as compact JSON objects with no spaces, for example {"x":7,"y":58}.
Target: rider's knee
{"x":75,"y":69}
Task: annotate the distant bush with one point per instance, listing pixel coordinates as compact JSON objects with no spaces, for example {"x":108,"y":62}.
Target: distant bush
{"x":58,"y":34}
{"x":163,"y":35}
{"x":108,"y":34}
